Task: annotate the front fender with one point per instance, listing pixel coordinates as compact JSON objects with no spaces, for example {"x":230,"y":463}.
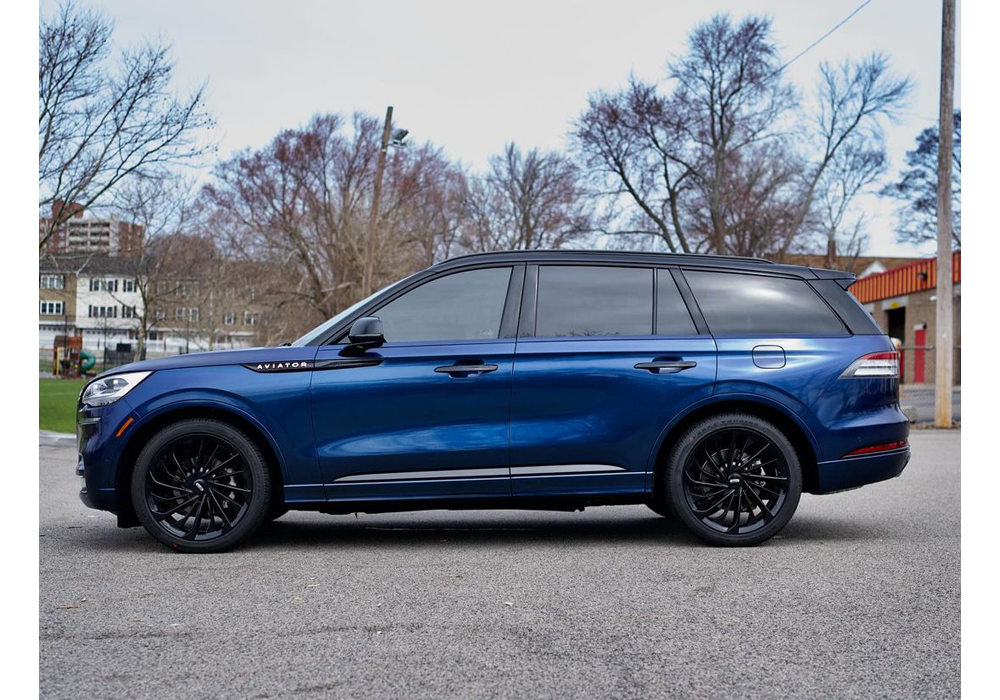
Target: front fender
{"x":275,"y":404}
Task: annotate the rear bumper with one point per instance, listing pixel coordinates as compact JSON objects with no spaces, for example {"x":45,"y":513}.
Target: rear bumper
{"x":840,"y":474}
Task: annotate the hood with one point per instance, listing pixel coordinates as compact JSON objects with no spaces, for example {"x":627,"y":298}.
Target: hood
{"x":218,"y":357}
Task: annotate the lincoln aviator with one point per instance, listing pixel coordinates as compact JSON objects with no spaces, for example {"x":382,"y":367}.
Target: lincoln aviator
{"x":714,"y":390}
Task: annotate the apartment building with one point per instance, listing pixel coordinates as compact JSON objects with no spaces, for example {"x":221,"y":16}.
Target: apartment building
{"x":85,"y":233}
{"x":99,"y":297}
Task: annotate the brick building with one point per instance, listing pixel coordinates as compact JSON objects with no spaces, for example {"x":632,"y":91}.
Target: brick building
{"x":903,"y":301}
{"x":85,"y":233}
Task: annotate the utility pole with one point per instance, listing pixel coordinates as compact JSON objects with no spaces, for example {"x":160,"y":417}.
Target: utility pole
{"x":944,"y":355}
{"x":366,"y":285}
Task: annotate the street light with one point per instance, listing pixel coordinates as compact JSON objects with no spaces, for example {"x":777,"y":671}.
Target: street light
{"x":389,"y":138}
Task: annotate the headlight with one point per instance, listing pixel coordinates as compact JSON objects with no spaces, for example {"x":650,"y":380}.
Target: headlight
{"x":105,"y":390}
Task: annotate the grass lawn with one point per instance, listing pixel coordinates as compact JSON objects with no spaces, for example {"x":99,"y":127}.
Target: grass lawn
{"x":57,"y":404}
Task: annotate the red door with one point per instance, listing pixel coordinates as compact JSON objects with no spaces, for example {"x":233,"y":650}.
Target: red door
{"x":919,"y":339}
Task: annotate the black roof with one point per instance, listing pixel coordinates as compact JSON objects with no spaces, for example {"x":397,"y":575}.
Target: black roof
{"x":733,"y":262}
{"x":86,"y":263}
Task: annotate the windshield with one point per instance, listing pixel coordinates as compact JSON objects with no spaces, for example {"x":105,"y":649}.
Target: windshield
{"x":323,"y":328}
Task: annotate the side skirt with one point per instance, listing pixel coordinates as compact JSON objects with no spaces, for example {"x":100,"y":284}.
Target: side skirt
{"x":549,"y":503}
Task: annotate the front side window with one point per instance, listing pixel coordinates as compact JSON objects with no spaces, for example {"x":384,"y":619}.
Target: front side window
{"x":594,"y":301}
{"x":745,"y":304}
{"x":462,"y":306}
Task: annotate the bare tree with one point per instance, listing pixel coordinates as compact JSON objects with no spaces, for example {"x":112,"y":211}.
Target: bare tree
{"x":720,"y":163}
{"x":299,"y":208}
{"x":673,"y":159}
{"x":838,"y":225}
{"x":855,"y":98}
{"x":103,"y":120}
{"x":160,"y":204}
{"x":916,"y":189}
{"x":525,"y":201}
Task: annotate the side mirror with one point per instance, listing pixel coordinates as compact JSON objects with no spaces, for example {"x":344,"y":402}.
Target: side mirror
{"x":366,"y":333}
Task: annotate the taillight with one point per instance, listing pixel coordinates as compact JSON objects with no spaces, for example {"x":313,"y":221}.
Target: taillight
{"x":884,"y":365}
{"x":884,"y":447}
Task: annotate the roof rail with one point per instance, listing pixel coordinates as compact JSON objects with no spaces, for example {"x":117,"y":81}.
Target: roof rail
{"x":689,"y":256}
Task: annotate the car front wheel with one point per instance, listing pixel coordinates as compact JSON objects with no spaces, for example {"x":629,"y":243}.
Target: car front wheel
{"x":733,"y":479}
{"x":201,"y":485}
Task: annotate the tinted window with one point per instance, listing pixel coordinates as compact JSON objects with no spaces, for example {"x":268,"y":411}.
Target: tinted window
{"x":736,"y":304}
{"x":462,"y":306}
{"x":672,"y":316}
{"x":586,"y":301}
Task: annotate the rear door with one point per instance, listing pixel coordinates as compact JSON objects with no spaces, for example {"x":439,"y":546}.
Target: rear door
{"x":425,"y":415}
{"x":606,"y":357}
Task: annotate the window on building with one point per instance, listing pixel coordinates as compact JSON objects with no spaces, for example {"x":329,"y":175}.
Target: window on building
{"x":128,"y":285}
{"x":250,"y":318}
{"x":186,"y":313}
{"x":160,"y":314}
{"x":52,"y":282}
{"x":103,"y":285}
{"x":50,"y":308}
{"x":594,"y":301}
{"x":230,"y":318}
{"x":744,"y":304}
{"x":128,"y":311}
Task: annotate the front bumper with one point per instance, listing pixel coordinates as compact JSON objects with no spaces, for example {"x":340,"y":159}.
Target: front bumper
{"x":852,"y":472}
{"x":97,"y":449}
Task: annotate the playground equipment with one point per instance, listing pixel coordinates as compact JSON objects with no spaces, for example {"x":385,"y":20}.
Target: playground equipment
{"x":69,"y":359}
{"x":87,"y":361}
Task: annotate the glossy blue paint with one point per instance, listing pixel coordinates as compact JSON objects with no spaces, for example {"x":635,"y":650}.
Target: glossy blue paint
{"x":402,"y":415}
{"x":550,"y":403}
{"x":578,"y":400}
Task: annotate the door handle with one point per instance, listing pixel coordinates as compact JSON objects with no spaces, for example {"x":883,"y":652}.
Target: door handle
{"x":666,"y":367}
{"x":465,"y":369}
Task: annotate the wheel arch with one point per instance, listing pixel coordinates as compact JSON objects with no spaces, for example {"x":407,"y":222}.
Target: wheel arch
{"x":140,"y":435}
{"x":798,"y":434}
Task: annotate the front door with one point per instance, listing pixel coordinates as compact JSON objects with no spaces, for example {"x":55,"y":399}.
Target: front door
{"x":425,"y":415}
{"x":596,"y":382}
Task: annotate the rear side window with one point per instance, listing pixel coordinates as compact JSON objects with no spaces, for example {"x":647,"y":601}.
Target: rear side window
{"x":738,"y":304}
{"x":462,"y":306}
{"x":594,"y":301}
{"x":672,"y":315}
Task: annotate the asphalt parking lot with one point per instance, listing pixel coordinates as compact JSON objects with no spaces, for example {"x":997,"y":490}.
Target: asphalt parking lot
{"x":858,"y":598}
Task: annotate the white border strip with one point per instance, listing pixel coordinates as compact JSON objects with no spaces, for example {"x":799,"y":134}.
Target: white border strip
{"x":435,"y":474}
{"x":545,"y":470}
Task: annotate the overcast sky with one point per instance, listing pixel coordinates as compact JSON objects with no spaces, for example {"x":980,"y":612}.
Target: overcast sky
{"x":471,"y":76}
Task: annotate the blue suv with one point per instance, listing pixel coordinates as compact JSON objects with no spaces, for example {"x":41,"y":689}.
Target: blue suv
{"x":714,"y":390}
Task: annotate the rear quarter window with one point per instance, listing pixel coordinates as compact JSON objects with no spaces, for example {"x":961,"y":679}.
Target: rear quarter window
{"x":746,"y":304}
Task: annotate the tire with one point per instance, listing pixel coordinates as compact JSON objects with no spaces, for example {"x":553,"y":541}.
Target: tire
{"x":201,"y":485}
{"x":733,"y":480}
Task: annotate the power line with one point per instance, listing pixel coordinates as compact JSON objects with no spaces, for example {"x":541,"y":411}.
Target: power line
{"x":837,"y":26}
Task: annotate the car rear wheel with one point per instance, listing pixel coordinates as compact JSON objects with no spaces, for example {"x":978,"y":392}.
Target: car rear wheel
{"x":201,"y":485}
{"x":733,"y":479}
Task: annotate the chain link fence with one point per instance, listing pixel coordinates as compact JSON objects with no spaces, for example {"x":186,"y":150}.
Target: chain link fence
{"x":103,"y":359}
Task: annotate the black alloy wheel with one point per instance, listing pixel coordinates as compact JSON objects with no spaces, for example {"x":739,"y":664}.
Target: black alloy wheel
{"x":200,"y":486}
{"x":734,"y":480}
